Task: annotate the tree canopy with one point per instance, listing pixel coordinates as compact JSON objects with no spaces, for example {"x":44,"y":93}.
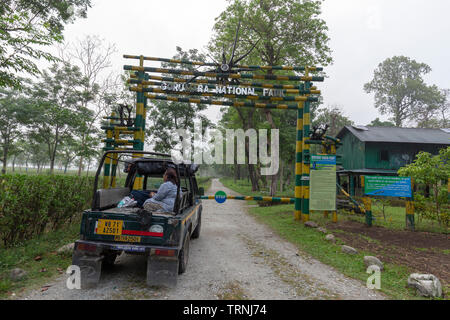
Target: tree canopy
{"x":26,"y":26}
{"x":401,"y":92}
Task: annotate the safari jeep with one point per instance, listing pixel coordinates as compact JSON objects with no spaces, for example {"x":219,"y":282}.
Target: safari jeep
{"x":162,"y":237}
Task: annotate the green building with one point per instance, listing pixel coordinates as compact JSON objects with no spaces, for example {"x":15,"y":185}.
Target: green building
{"x":383,"y":150}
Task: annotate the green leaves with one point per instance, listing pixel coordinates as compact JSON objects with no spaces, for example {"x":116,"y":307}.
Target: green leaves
{"x":401,"y":92}
{"x":30,"y":204}
{"x":27,"y":25}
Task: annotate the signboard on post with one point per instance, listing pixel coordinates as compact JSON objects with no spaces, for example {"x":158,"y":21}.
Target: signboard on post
{"x":323,"y":183}
{"x":388,"y":186}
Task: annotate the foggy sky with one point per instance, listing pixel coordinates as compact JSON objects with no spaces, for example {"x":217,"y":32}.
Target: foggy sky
{"x":363,"y":33}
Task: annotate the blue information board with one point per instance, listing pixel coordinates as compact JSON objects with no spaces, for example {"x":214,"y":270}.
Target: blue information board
{"x":388,"y":186}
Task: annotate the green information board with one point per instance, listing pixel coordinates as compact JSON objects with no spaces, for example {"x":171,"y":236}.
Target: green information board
{"x":323,"y":183}
{"x":387,"y":186}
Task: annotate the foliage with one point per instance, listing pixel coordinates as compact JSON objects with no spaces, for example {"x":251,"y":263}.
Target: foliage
{"x":432,"y":171}
{"x":166,"y":116}
{"x":26,"y":26}
{"x":31,"y":204}
{"x":401,"y":92}
{"x":334,"y":117}
{"x":378,"y":123}
{"x":57,"y":111}
{"x":12,"y":115}
{"x":289,"y":33}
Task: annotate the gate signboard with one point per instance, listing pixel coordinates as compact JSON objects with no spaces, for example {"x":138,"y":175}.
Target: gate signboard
{"x":323,"y":183}
{"x":388,"y":186}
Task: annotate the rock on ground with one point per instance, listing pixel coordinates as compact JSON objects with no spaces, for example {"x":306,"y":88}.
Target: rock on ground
{"x":427,"y":285}
{"x":370,"y":260}
{"x":349,"y":250}
{"x":311,"y":224}
{"x":67,"y":248}
{"x":17,"y":274}
{"x":330,"y":237}
{"x":322,"y":229}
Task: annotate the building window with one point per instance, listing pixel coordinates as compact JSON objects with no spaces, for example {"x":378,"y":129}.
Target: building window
{"x":384,"y":155}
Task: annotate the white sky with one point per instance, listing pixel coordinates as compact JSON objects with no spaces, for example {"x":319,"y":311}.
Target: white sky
{"x":363,"y":33}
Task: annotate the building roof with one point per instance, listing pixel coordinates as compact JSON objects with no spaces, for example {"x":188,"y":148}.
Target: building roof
{"x":398,"y":135}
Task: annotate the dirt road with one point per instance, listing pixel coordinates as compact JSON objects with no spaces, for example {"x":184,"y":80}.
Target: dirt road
{"x":235,"y":257}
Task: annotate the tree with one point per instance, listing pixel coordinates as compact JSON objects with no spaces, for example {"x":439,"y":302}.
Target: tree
{"x":378,"y":123}
{"x":289,"y":32}
{"x":12,"y":115}
{"x":56,"y":111}
{"x":92,"y":56}
{"x":401,"y":92}
{"x":334,"y":117}
{"x":433,"y":171}
{"x":165,"y":117}
{"x":26,"y":26}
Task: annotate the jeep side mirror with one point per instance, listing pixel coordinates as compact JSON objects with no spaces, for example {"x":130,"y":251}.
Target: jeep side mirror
{"x":201,"y":191}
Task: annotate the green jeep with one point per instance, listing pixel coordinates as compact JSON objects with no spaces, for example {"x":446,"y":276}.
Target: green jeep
{"x":163,"y":237}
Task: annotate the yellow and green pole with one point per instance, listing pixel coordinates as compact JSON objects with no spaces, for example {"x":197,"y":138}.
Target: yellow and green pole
{"x":298,"y":163}
{"x":108,"y":144}
{"x":306,"y":155}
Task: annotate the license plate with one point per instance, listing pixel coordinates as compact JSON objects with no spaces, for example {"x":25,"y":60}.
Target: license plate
{"x":127,"y":239}
{"x":109,"y":227}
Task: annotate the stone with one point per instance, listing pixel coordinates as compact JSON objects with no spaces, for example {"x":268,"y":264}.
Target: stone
{"x":427,"y":285}
{"x":349,"y":250}
{"x":311,"y":224}
{"x":370,"y":260}
{"x":322,"y":229}
{"x":67,"y":248}
{"x":330,"y":237}
{"x":17,"y":274}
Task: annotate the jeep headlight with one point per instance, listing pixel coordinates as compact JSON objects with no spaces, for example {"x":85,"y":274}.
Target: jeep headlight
{"x":156,"y":228}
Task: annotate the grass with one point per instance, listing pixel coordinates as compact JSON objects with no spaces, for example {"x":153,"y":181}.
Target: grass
{"x":280,"y":219}
{"x":23,"y":256}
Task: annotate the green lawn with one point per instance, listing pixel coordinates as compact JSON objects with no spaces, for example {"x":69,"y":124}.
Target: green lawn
{"x":280,"y":219}
{"x":39,"y":271}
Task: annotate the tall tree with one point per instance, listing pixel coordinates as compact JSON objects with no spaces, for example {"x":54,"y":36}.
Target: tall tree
{"x":56,"y":111}
{"x":289,"y":32}
{"x":12,"y":115}
{"x":401,"y":92}
{"x":92,"y":55}
{"x":26,"y":27}
{"x":379,"y":123}
{"x":334,"y":117}
{"x":165,"y":117}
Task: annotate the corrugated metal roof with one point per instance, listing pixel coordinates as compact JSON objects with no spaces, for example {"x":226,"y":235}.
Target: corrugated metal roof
{"x":398,"y":135}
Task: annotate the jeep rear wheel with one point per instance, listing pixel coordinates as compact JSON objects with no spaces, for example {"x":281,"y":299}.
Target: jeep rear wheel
{"x":184,"y":254}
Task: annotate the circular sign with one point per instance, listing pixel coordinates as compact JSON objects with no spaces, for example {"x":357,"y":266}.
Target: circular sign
{"x":225,"y":67}
{"x":220,"y":196}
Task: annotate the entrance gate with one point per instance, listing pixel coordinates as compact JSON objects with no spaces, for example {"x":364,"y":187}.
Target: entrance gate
{"x":239,"y":88}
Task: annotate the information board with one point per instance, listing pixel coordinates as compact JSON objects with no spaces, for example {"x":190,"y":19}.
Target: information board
{"x":387,"y":186}
{"x":323,"y":183}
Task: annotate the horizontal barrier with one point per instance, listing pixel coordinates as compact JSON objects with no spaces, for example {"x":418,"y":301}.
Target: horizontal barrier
{"x":249,"y":198}
{"x":213,"y":87}
{"x":210,"y":64}
{"x":208,"y":81}
{"x":230,"y":103}
{"x":224,"y":75}
{"x":230,"y":96}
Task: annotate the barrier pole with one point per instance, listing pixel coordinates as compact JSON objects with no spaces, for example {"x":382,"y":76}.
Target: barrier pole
{"x":298,"y":163}
{"x":306,"y":155}
{"x":138,"y":123}
{"x":107,"y":166}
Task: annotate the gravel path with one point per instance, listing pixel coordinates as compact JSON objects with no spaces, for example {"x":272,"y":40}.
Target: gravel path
{"x":234,"y":258}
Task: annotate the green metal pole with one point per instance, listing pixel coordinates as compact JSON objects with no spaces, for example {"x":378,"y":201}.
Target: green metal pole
{"x":306,"y":158}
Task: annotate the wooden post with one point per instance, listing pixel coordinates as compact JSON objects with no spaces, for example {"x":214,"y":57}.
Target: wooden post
{"x":410,"y":223}
{"x":368,"y":207}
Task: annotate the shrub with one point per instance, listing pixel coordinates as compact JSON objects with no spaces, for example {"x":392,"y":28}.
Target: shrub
{"x":31,"y":204}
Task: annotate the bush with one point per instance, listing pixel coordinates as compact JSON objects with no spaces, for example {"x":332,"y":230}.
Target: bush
{"x":29,"y":204}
